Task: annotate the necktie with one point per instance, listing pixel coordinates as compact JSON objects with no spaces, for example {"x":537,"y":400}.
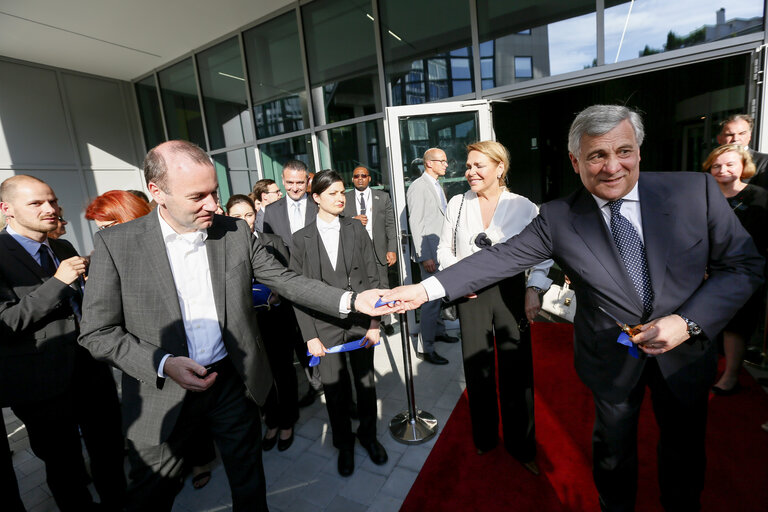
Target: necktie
{"x":632,"y":253}
{"x":49,"y":268}
{"x":362,"y":204}
{"x":298,"y":222}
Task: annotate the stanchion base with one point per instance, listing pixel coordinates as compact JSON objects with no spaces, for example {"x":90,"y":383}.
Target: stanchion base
{"x":413,"y":430}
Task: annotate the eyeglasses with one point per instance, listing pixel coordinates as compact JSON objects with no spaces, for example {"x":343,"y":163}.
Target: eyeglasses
{"x":273,"y":191}
{"x":358,"y":176}
{"x":444,"y":162}
{"x":105,"y":226}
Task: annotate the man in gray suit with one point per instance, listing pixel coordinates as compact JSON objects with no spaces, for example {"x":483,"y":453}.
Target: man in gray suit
{"x":737,"y":129}
{"x":426,"y":212}
{"x":295,"y":210}
{"x":659,"y":249}
{"x":168,"y":301}
{"x":373,"y":209}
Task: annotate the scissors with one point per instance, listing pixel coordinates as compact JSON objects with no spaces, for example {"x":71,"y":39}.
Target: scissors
{"x":631,"y":331}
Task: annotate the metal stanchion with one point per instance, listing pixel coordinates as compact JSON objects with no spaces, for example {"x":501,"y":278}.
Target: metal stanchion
{"x":413,"y":426}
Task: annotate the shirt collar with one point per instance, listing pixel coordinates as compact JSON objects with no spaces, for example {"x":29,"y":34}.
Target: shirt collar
{"x":169,"y":234}
{"x":323,"y":226}
{"x":429,"y":177}
{"x":29,"y":245}
{"x":300,"y":202}
{"x":632,"y":195}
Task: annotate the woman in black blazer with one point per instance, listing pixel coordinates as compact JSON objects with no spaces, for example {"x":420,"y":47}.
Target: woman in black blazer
{"x":338,"y":251}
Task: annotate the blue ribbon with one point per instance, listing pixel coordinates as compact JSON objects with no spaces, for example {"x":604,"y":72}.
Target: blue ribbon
{"x":624,"y":340}
{"x":261,"y":295}
{"x":346,"y":347}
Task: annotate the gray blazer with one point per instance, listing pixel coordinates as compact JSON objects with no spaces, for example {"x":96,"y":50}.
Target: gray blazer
{"x":276,"y":218}
{"x":689,"y":230}
{"x":384,"y":230}
{"x":132,"y":317}
{"x":425,"y":218}
{"x":38,"y":330}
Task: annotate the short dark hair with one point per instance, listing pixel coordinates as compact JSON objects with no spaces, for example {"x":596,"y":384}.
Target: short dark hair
{"x":236,"y":199}
{"x":262,"y":187}
{"x":295,"y":165}
{"x":325,"y":179}
{"x":155,"y":168}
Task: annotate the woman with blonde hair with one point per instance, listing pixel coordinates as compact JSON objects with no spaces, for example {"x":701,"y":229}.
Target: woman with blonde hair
{"x":729,"y":164}
{"x":494,"y":320}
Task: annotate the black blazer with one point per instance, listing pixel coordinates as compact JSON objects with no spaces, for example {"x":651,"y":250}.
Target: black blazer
{"x":276,"y":219}
{"x":38,"y":330}
{"x":363,"y":274}
{"x":688,"y":229}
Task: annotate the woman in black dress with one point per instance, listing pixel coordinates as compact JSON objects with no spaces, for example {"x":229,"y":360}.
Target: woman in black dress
{"x":729,"y":164}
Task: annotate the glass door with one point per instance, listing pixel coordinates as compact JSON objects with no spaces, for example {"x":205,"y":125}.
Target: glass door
{"x":413,"y":129}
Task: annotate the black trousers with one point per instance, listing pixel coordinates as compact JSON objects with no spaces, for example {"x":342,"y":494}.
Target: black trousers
{"x":335,"y":375}
{"x":97,"y":411}
{"x":492,"y":315}
{"x":9,"y":488}
{"x":281,"y":408}
{"x":157,"y":471}
{"x":681,"y":449}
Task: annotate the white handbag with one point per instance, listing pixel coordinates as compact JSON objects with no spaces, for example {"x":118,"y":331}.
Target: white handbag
{"x":560,"y":301}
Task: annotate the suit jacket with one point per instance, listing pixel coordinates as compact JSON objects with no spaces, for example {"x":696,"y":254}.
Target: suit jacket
{"x":358,"y":255}
{"x":425,"y":217}
{"x":688,"y":229}
{"x":38,"y":330}
{"x":259,"y":224}
{"x":760,"y":178}
{"x":276,"y":218}
{"x":132,"y":316}
{"x":383,"y":219}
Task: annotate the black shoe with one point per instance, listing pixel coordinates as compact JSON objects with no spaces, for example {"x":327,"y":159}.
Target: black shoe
{"x":376,"y":452}
{"x":431,"y":357}
{"x":389,"y":330}
{"x":268,"y":443}
{"x":346,"y":462}
{"x":726,"y":392}
{"x":446,"y":339}
{"x":310,"y":397}
{"x":284,"y":444}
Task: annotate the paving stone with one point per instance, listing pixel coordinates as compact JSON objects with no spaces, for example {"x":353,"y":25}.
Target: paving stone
{"x":384,"y":503}
{"x":399,"y":483}
{"x":342,"y":504}
{"x":35,"y":496}
{"x":30,"y":481}
{"x":29,"y":466}
{"x":48,"y":505}
{"x":362,"y":486}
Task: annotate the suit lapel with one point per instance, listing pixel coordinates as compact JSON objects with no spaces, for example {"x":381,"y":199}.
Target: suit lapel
{"x":656,"y":212}
{"x":312,"y":243}
{"x":21,"y":255}
{"x":153,"y":245}
{"x":215,"y":246}
{"x":347,"y":238}
{"x":589,"y":224}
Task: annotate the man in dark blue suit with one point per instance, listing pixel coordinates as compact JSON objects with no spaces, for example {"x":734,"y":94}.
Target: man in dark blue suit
{"x":659,"y":249}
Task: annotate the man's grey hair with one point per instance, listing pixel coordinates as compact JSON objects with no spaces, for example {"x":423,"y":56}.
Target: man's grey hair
{"x":737,"y":117}
{"x":295,"y":165}
{"x":155,"y":167}
{"x":600,"y":119}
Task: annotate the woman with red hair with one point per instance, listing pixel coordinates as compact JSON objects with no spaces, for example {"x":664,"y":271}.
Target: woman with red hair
{"x":115,"y":207}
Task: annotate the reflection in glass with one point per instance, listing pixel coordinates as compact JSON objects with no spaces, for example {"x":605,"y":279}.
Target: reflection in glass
{"x":556,"y":36}
{"x":653,"y":26}
{"x":233,"y":173}
{"x":149,"y":106}
{"x":181,"y":104}
{"x":427,"y":50}
{"x":341,"y":55}
{"x":224,"y":97}
{"x":275,"y":154}
{"x":449,"y":132}
{"x":342,"y":149}
{"x":276,"y":76}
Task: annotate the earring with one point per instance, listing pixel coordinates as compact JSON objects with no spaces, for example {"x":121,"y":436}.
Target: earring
{"x":498,"y":176}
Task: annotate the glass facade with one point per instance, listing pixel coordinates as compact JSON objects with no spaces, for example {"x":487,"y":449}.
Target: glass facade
{"x":315,"y":72}
{"x":222,"y":83}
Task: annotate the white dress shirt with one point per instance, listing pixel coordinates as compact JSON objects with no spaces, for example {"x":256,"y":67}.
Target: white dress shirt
{"x":368,"y":198}
{"x":329,"y":234}
{"x":513,"y":213}
{"x":192,"y":277}
{"x":296,"y":217}
{"x":438,"y":190}
{"x":33,"y":246}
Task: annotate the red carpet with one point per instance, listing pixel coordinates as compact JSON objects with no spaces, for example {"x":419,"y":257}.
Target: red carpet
{"x":455,"y":478}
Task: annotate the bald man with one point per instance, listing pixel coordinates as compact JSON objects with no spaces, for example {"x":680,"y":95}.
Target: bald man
{"x":50,"y":383}
{"x":426,"y":212}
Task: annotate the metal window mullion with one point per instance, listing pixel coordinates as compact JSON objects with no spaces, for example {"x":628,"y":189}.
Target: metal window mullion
{"x":384,"y":100}
{"x":200,"y":102}
{"x":600,"y":22}
{"x":156,"y":76}
{"x":473,"y":23}
{"x":251,"y":112}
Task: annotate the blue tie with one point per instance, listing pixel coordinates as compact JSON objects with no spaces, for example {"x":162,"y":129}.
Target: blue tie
{"x":632,"y":253}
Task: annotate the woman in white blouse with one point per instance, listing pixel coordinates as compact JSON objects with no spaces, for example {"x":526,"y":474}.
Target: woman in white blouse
{"x":488,"y":214}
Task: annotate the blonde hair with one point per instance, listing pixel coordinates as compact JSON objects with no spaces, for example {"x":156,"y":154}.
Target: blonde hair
{"x":746,"y":159}
{"x":496,"y":152}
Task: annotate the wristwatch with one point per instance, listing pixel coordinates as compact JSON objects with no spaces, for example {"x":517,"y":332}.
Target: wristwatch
{"x":693,"y":327}
{"x":352,"y":298}
{"x":536,"y":289}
